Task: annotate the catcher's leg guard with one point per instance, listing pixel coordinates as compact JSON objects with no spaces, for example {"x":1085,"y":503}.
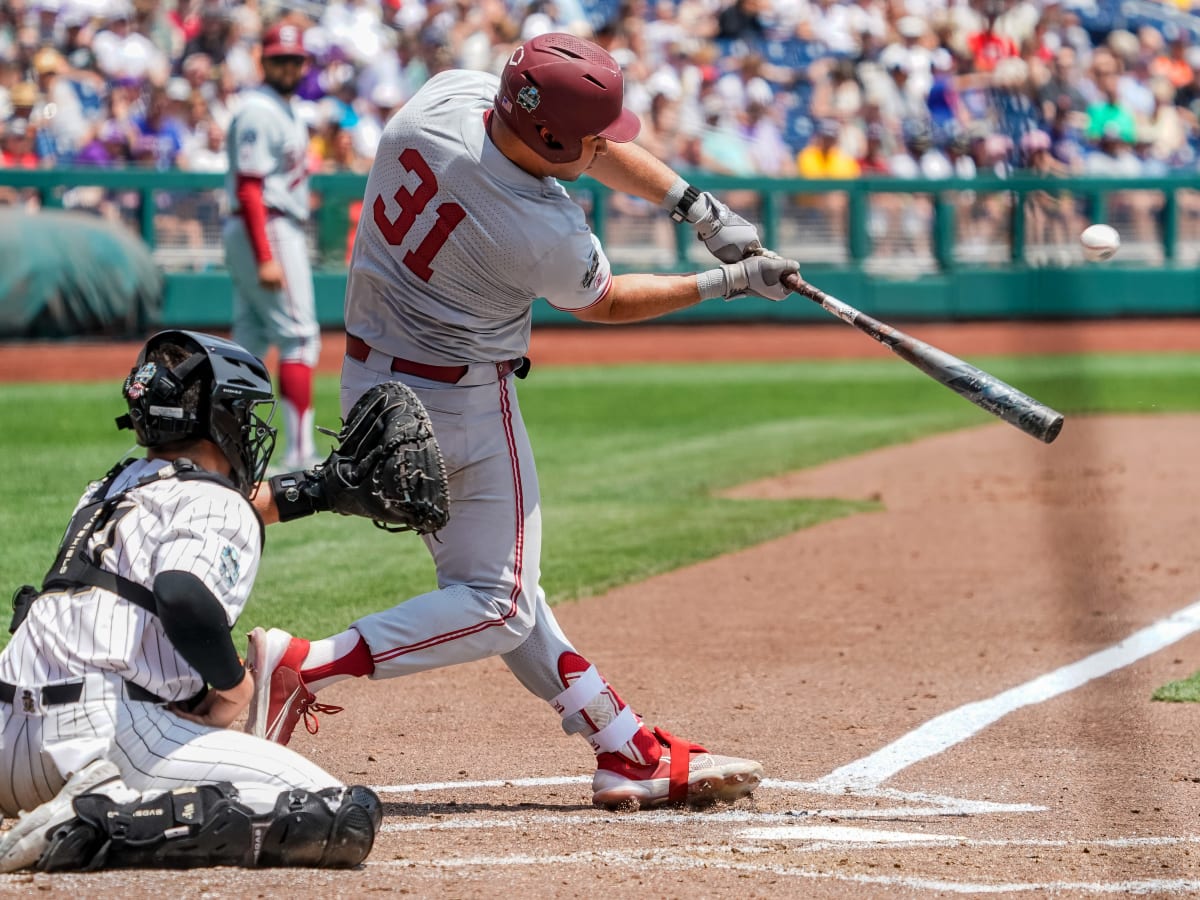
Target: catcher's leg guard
{"x":332,"y":829}
{"x":207,"y":826}
{"x":182,"y":829}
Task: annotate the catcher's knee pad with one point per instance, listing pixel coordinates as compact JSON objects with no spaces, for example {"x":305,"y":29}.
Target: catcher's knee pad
{"x":331,"y":829}
{"x":182,"y":829}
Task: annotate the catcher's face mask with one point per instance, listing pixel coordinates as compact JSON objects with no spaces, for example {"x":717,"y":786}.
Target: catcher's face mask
{"x":233,"y":407}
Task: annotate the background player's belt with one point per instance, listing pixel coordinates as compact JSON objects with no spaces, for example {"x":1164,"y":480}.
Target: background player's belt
{"x":358,"y":349}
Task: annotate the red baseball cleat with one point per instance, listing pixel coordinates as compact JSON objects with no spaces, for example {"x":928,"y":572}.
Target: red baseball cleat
{"x":686,"y":773}
{"x":280,"y":698}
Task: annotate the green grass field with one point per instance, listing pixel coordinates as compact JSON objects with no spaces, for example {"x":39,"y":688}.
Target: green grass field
{"x":630,"y":460}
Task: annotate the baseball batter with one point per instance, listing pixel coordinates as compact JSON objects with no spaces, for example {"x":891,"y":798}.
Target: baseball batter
{"x":465,"y":224}
{"x":266,"y":249}
{"x":121,"y":677}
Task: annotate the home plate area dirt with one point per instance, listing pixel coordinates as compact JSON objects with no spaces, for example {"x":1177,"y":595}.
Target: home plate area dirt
{"x":950,"y":695}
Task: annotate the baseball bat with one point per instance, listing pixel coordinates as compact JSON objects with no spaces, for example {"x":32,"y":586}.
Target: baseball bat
{"x":984,"y":390}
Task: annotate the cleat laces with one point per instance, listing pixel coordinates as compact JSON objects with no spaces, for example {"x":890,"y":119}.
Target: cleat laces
{"x":310,"y":706}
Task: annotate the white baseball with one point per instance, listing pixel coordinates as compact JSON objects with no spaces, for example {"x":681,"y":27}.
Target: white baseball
{"x":1099,"y":242}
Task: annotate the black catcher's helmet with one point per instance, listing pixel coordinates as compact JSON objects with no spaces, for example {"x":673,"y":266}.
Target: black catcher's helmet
{"x":188,"y":385}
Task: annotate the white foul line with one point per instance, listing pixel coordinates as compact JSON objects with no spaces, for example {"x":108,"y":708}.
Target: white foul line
{"x":957,"y":725}
{"x":707,"y":857}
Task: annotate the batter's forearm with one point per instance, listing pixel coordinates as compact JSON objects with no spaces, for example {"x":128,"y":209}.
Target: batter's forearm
{"x":636,"y":298}
{"x":633,"y":170}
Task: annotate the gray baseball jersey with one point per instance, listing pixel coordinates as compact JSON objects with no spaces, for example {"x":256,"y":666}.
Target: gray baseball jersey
{"x":456,"y":242}
{"x":267,"y":140}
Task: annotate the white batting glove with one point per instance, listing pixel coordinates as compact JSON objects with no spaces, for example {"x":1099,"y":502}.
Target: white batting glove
{"x":727,"y":235}
{"x":762,"y":276}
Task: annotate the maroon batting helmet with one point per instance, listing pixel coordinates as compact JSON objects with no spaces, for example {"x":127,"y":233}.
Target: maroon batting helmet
{"x":283,"y":39}
{"x":570,"y":87}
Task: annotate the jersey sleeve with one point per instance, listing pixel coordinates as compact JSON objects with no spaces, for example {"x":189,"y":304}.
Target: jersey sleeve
{"x":216,"y":537}
{"x":254,"y":137}
{"x":574,"y":274}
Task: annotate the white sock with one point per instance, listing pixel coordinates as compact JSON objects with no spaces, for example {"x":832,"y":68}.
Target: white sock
{"x":325,"y":652}
{"x":298,"y":428}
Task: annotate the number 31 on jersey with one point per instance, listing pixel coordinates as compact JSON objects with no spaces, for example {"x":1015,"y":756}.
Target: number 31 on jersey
{"x":412,"y":204}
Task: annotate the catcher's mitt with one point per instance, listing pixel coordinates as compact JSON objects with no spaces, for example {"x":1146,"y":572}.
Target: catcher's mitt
{"x":387,"y":467}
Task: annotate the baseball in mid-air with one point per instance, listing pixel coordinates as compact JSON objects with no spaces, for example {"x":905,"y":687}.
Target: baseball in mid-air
{"x":1099,"y":242}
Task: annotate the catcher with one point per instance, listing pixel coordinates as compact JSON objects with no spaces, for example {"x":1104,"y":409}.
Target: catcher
{"x":121,"y":678}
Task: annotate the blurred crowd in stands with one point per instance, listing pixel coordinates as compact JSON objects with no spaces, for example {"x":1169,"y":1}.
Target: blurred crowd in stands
{"x":815,"y":88}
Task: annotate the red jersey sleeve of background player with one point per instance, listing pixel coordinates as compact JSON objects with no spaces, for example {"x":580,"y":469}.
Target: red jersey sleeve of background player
{"x":254,"y":215}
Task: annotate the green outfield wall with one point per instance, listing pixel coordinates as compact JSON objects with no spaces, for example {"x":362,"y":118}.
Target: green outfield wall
{"x":981,"y":248}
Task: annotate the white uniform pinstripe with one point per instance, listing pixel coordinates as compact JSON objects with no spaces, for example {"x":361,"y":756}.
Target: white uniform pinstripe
{"x":454,"y":246}
{"x":94,"y":636}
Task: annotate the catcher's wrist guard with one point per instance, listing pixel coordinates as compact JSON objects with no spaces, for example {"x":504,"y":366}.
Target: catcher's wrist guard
{"x":297,"y":494}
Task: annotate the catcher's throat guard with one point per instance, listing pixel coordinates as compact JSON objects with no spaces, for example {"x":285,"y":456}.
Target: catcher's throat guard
{"x":387,"y":467}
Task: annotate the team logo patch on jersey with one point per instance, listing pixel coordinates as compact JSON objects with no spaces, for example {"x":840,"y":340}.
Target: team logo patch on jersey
{"x":529,"y":98}
{"x":135,"y":385}
{"x":249,"y":136}
{"x":589,"y":277}
{"x":230,"y":567}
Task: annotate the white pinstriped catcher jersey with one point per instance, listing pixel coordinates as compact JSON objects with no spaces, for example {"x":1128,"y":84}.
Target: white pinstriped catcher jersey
{"x":455,"y":242}
{"x":267,"y":140}
{"x":195,"y":526}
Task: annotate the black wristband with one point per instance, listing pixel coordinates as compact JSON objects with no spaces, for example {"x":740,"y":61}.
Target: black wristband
{"x":684,"y":206}
{"x":296,"y":495}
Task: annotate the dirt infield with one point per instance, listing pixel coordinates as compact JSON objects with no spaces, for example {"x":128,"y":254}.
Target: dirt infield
{"x":950,"y":695}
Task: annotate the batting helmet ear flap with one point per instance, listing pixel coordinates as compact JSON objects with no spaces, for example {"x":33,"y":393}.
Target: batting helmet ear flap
{"x":548,"y":137}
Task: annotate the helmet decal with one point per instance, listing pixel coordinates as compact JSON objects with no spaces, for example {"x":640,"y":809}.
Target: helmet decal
{"x":529,"y":98}
{"x":135,"y":384}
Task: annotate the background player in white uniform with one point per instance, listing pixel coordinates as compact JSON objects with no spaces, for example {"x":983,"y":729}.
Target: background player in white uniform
{"x":464,"y":225}
{"x":266,"y":249}
{"x":133,"y":623}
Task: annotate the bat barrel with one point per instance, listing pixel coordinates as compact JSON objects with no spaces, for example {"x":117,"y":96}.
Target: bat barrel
{"x":984,"y":390}
{"x":1053,"y":427}
{"x":1036,"y":420}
